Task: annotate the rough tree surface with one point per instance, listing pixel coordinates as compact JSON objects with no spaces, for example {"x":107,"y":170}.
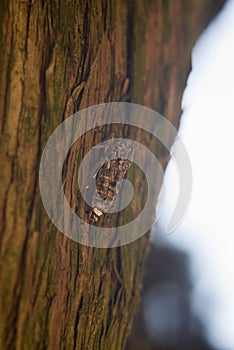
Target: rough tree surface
{"x":58,"y":57}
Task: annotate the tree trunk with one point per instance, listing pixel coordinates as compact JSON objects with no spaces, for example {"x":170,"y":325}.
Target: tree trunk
{"x":58,"y":57}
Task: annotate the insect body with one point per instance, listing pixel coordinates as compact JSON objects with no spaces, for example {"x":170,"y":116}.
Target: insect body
{"x":108,"y":179}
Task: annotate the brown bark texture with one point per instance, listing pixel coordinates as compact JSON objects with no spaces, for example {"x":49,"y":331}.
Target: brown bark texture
{"x":58,"y":57}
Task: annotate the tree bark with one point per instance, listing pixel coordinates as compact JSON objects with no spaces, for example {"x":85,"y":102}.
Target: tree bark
{"x":58,"y":57}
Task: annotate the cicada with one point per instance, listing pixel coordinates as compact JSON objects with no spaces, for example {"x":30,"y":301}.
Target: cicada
{"x":108,"y":179}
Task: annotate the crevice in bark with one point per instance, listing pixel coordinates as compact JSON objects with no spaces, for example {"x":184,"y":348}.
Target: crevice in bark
{"x":129,"y":42}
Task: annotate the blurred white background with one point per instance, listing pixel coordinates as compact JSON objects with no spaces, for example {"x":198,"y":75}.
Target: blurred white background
{"x":207,"y":128}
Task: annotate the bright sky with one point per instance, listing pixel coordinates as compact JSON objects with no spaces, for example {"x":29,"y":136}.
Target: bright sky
{"x":207,"y":129}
